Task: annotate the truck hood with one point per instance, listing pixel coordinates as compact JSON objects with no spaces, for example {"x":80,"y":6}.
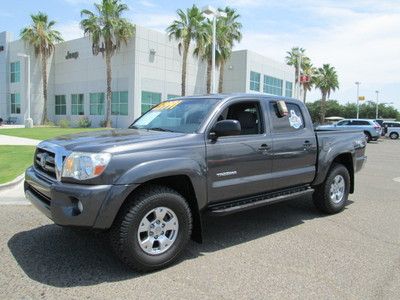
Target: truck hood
{"x":107,"y":140}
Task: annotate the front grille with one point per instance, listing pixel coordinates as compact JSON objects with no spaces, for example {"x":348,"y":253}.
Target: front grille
{"x":45,"y":162}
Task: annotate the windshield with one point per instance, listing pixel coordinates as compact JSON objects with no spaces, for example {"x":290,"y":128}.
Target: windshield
{"x":176,"y":115}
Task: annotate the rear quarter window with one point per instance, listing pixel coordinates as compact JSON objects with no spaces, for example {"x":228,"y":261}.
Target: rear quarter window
{"x":294,"y":121}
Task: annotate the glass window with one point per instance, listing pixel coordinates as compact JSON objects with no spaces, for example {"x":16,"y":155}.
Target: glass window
{"x":96,"y":104}
{"x":288,"y":89}
{"x":119,"y":103}
{"x":149,"y":99}
{"x":272,"y":85}
{"x":176,"y":115}
{"x":248,"y":114}
{"x":343,"y":123}
{"x":359,"y":123}
{"x":60,"y":105}
{"x":171,"y":96}
{"x":15,"y":103}
{"x":77,"y":105}
{"x":255,"y":81}
{"x":15,"y":71}
{"x":292,"y":122}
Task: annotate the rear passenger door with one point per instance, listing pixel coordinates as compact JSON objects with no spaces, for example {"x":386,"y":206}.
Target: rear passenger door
{"x":294,"y":146}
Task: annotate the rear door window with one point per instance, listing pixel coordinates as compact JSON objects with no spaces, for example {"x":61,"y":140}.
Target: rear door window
{"x":294,"y":121}
{"x":360,"y":123}
{"x":343,"y":123}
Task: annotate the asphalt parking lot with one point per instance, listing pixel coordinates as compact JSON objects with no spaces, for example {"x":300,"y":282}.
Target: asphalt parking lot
{"x":287,"y":250}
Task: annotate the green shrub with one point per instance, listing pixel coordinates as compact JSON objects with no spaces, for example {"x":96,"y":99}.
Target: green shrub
{"x":84,"y":122}
{"x":64,"y":123}
{"x":103,"y":123}
{"x":49,"y":124}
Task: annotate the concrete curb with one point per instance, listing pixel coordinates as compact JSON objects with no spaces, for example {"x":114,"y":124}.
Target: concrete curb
{"x":12,"y":183}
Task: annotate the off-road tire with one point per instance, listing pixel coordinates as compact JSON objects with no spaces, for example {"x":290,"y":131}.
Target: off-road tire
{"x":124,"y":232}
{"x":322,"y":198}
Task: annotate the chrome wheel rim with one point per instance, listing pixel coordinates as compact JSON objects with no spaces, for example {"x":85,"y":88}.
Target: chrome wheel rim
{"x":337,"y":189}
{"x":158,"y":230}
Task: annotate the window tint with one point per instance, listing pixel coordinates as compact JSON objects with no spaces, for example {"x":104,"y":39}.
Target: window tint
{"x":60,"y":105}
{"x":15,"y":103}
{"x":149,"y":99}
{"x":255,"y":81}
{"x":248,"y":114}
{"x":292,"y":122}
{"x":96,"y":104}
{"x":343,"y":123}
{"x":119,"y":103}
{"x":272,"y":85}
{"x":77,"y":104}
{"x":360,"y":123}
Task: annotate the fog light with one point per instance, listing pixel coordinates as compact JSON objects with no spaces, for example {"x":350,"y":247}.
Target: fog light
{"x":77,"y":206}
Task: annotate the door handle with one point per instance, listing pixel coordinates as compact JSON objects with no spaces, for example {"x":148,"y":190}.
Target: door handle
{"x":264,"y":147}
{"x":307,"y":144}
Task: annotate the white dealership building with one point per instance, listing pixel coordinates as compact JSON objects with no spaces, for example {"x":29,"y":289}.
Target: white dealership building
{"x":145,"y":71}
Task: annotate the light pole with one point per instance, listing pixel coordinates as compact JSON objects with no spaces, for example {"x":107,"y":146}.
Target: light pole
{"x":358,"y":98}
{"x":214,"y":13}
{"x":28,"y":120}
{"x":377,"y":104}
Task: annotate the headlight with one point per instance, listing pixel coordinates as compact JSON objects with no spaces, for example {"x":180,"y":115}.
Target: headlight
{"x":82,"y":165}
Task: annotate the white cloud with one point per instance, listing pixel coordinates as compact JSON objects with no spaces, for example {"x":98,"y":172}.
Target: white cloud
{"x":363,"y":46}
{"x":80,"y":2}
{"x":147,"y":3}
{"x":155,"y":21}
{"x":70,"y":30}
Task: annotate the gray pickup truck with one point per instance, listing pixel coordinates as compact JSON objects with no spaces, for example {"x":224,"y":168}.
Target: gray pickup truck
{"x":150,"y":185}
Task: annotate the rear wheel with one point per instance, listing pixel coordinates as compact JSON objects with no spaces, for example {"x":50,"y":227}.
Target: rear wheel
{"x":152,"y":229}
{"x":331,"y":196}
{"x":367,"y":136}
{"x":394,"y":135}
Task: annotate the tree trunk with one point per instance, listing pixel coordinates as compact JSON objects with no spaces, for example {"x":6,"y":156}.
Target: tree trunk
{"x":322,"y":109}
{"x":109,"y":79}
{"x":221,"y":76}
{"x":304,"y":94}
{"x":209,"y":67}
{"x":184,"y":66}
{"x":45,"y":119}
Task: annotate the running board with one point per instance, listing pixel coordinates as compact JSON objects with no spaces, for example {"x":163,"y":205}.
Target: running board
{"x":227,"y":208}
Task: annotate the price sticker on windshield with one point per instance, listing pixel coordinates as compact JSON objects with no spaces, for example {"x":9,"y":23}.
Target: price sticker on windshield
{"x":167,"y":105}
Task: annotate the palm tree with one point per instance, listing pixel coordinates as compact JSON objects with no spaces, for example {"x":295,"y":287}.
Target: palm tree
{"x":186,"y":29}
{"x":204,"y":47}
{"x":42,"y":37}
{"x":327,"y":82}
{"x":310,"y":71}
{"x":293,"y":59}
{"x":107,"y":30}
{"x":230,"y":26}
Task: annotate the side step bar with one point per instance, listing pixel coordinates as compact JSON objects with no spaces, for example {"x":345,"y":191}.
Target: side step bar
{"x":227,"y":208}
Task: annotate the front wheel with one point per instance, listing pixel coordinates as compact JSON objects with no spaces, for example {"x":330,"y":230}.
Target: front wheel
{"x":331,"y":196}
{"x":152,"y":229}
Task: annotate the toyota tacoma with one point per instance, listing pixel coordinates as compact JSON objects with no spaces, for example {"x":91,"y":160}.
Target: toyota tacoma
{"x":150,"y":185}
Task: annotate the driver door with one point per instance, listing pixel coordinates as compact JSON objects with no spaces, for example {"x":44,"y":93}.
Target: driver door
{"x":240,"y":166}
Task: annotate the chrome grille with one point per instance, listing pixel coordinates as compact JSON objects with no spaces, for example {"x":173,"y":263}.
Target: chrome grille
{"x":45,"y":162}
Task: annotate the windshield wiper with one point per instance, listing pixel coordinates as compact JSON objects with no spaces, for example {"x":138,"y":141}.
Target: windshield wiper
{"x":160,"y":129}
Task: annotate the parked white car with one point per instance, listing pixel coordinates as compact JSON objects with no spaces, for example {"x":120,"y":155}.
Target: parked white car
{"x":393,"y":132}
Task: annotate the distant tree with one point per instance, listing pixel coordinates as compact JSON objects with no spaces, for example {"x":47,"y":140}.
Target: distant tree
{"x":293,"y":59}
{"x":107,"y":30}
{"x":310,"y":71}
{"x":186,"y":29}
{"x":42,"y":37}
{"x":231,"y":28}
{"x":327,"y":82}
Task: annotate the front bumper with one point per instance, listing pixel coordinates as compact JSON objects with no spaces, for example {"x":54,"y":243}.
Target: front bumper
{"x":75,"y":204}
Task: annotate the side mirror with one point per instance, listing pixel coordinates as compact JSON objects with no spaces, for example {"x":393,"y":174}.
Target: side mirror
{"x":282,"y":108}
{"x":225,"y":128}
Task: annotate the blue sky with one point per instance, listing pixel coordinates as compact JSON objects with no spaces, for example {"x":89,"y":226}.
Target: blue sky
{"x":361,"y":38}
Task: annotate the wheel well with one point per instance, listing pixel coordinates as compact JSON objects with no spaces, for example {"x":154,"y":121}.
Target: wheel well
{"x":346,"y":160}
{"x":366,"y":132}
{"x":183,"y":185}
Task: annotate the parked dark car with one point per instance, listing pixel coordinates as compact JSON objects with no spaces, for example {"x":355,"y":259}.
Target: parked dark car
{"x":150,"y":185}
